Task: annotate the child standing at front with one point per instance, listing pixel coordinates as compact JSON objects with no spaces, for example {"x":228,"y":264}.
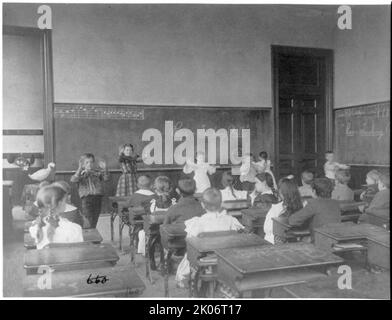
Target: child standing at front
{"x":201,"y":169}
{"x":264,"y":165}
{"x":331,"y":166}
{"x":50,"y":226}
{"x":342,"y":190}
{"x":248,"y":171}
{"x":128,"y":162}
{"x":90,"y":183}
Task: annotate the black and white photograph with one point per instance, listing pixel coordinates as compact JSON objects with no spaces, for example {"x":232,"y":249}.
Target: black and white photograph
{"x":196,"y":150}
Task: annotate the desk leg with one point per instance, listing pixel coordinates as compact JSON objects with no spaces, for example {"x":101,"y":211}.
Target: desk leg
{"x":190,"y":284}
{"x":131,"y":231}
{"x":113,"y":215}
{"x":166,"y":268}
{"x":120,"y":227}
{"x":147,"y":256}
{"x":211,"y":289}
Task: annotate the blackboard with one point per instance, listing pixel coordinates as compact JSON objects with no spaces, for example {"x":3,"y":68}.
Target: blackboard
{"x":362,"y":134}
{"x":102,"y":129}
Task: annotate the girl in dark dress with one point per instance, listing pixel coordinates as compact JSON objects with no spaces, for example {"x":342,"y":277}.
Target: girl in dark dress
{"x":128,"y":162}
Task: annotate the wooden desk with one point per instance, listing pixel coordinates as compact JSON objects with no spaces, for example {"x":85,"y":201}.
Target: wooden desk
{"x":366,"y":235}
{"x":114,"y":213}
{"x":350,"y":210}
{"x":77,"y":256}
{"x":121,"y":281}
{"x":171,"y":242}
{"x":249,"y":269}
{"x":234,"y":207}
{"x":133,"y":219}
{"x":89,"y":235}
{"x":151,"y":225}
{"x":379,"y":217}
{"x":282,"y":229}
{"x":7,"y":208}
{"x":378,"y":252}
{"x":253,"y":219}
{"x":200,"y":247}
{"x":329,"y":236}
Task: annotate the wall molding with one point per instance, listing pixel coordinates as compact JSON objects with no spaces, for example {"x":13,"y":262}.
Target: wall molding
{"x":23,"y":132}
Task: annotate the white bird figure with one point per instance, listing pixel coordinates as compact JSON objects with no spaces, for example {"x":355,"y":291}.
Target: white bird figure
{"x":42,"y":174}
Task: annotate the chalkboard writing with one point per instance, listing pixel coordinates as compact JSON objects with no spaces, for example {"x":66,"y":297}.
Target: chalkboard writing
{"x":85,"y":132}
{"x":98,"y":112}
{"x":362,"y":134}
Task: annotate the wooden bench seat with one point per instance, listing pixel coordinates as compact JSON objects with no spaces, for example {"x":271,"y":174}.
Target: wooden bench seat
{"x":120,"y":281}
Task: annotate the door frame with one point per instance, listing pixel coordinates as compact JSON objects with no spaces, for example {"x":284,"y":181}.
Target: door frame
{"x":45,"y":38}
{"x":327,"y":54}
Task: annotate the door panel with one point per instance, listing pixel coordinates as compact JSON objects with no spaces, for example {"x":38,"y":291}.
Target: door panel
{"x":301,"y":123}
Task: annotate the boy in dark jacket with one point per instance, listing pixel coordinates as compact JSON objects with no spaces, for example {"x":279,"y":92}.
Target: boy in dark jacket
{"x":320,"y":210}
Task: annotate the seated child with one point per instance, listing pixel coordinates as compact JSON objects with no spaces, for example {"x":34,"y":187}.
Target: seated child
{"x":160,"y":201}
{"x":50,"y":226}
{"x":143,"y":195}
{"x":306,"y":190}
{"x":380,"y":201}
{"x":319,"y":211}
{"x":229,"y":193}
{"x":372,"y":178}
{"x":215,"y":219}
{"x":264,"y":194}
{"x":289,"y":204}
{"x":187,"y":206}
{"x":341,"y":190}
{"x":71,"y":212}
{"x":32,"y":210}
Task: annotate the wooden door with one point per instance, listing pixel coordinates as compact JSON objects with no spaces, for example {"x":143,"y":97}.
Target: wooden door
{"x":301,"y":111}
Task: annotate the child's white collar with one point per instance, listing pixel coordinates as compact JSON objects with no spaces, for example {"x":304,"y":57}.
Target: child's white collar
{"x":145,"y":192}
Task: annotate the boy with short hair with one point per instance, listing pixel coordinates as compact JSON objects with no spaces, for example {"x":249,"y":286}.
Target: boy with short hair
{"x":320,"y":210}
{"x":306,"y":190}
{"x":187,"y":207}
{"x":380,"y":202}
{"x":342,"y":190}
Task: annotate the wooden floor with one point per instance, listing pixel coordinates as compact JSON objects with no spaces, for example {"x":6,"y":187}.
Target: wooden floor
{"x":364,"y":284}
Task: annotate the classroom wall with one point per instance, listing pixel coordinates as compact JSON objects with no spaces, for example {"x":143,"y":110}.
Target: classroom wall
{"x":362,"y":57}
{"x":201,"y":55}
{"x":22,"y":105}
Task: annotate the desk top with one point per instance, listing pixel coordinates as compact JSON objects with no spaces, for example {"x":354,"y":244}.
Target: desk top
{"x":348,"y":205}
{"x":273,"y":258}
{"x":342,"y":231}
{"x":351,"y":231}
{"x":89,"y":235}
{"x":70,"y":255}
{"x":74,"y":283}
{"x":210,"y":244}
{"x":235,"y":204}
{"x":255,"y":212}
